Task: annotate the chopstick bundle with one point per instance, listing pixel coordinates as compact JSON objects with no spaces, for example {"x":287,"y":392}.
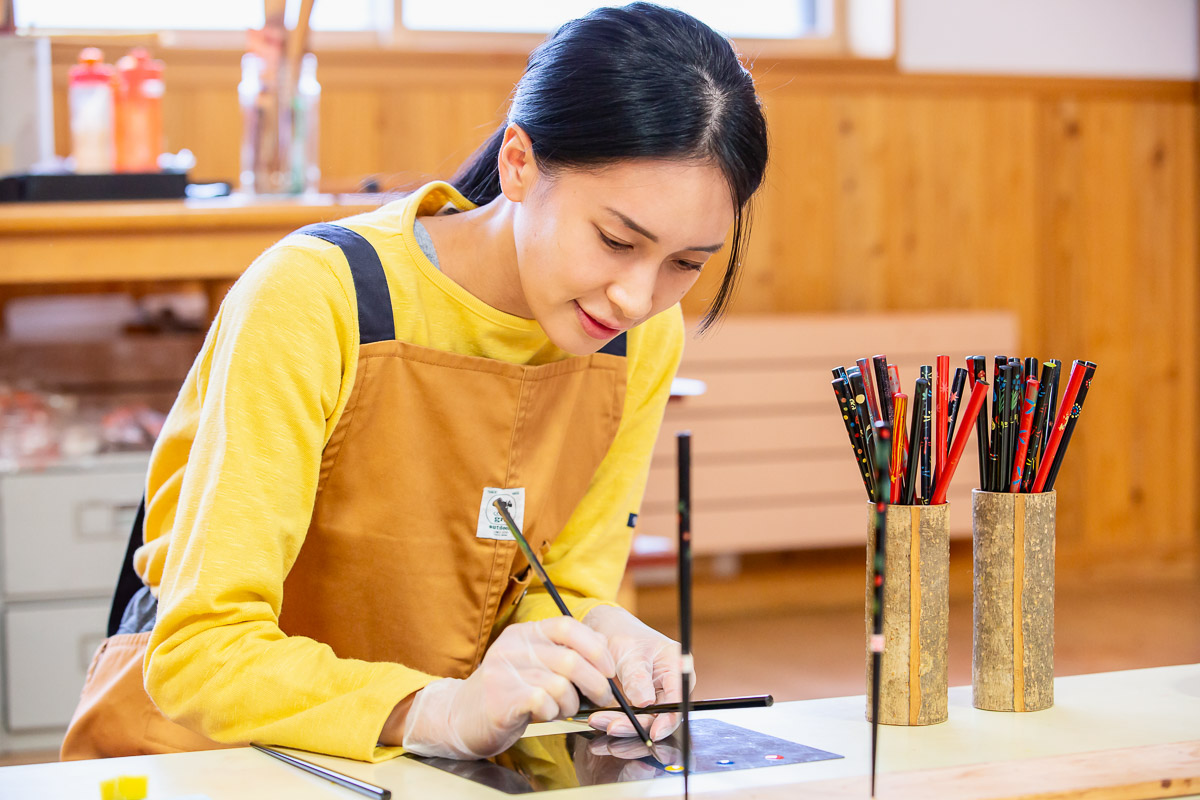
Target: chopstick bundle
{"x":923,"y":447}
{"x":1022,"y":438}
{"x":1024,"y":448}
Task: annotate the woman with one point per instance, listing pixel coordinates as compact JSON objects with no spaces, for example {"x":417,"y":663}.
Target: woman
{"x":322,"y":567}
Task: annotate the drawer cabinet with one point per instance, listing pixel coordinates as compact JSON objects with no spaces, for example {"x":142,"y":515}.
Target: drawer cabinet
{"x":63,"y":533}
{"x":47,"y":653}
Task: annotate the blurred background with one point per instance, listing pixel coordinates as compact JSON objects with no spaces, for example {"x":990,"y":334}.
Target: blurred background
{"x":946,"y":177}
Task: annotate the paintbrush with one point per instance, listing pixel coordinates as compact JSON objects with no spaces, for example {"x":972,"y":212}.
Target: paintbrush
{"x":553,"y":592}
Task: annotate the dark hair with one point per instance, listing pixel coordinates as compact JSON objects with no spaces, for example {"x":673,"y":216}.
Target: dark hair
{"x":640,"y":81}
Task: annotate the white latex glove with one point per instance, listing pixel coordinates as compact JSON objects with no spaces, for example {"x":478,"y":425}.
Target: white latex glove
{"x":647,"y":671}
{"x":529,"y":674}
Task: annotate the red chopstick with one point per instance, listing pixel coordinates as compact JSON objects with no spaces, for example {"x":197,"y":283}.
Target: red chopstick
{"x":960,"y":442}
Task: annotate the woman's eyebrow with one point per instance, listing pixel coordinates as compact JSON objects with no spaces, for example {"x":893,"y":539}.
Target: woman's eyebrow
{"x":708,"y":248}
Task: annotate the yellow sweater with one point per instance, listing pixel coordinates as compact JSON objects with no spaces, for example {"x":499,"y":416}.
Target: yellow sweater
{"x":233,"y":478}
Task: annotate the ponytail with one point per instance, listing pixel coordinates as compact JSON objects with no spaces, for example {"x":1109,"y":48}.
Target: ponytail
{"x":478,"y":179}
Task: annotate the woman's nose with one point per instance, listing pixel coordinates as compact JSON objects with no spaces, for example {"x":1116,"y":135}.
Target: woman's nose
{"x":633,"y":290}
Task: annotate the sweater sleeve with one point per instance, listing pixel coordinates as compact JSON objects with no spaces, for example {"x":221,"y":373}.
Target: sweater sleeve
{"x":262,"y":395}
{"x":587,"y":559}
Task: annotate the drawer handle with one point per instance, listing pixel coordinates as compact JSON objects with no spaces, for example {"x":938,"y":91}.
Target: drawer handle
{"x":103,"y":520}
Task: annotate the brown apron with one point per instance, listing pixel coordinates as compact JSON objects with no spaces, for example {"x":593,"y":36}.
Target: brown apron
{"x":391,"y":568}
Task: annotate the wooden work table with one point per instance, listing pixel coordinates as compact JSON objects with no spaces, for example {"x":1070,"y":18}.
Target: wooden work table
{"x":52,"y":243}
{"x":1133,"y":734}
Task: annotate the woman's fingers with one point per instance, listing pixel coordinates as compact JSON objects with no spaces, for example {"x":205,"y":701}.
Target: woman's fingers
{"x":621,"y":726}
{"x":602,"y":719}
{"x":572,"y":633}
{"x":637,"y":682}
{"x":665,"y":724}
{"x":541,"y":705}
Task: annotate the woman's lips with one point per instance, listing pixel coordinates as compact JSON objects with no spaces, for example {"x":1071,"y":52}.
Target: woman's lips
{"x":593,"y":327}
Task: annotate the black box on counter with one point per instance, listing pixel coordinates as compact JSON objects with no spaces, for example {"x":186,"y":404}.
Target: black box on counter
{"x":37,"y":187}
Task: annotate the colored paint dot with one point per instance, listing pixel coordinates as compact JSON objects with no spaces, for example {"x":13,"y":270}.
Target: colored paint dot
{"x":724,"y":761}
{"x":773,"y":757}
{"x":674,"y":768}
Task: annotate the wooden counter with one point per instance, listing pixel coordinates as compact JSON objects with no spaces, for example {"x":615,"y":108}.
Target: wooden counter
{"x":53,"y":243}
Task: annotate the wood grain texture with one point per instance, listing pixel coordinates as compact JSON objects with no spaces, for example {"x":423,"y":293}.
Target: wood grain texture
{"x":1012,"y":655}
{"x":1069,"y":202}
{"x":1037,"y":601}
{"x":914,"y":671}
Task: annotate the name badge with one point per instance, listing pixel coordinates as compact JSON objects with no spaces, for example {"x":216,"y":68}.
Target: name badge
{"x":491,"y":524}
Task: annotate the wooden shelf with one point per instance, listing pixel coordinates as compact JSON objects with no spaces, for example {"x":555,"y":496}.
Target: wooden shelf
{"x":48,"y":243}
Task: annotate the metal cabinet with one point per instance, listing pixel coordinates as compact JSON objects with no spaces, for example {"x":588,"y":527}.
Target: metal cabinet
{"x":63,"y":532}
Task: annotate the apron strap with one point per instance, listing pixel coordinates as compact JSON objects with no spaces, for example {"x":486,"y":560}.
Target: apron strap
{"x":375,"y":323}
{"x":128,"y":582}
{"x":616,"y":346}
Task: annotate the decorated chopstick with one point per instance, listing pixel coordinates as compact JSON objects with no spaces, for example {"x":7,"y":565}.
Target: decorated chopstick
{"x":1023,"y":432}
{"x":883,"y":440}
{"x":1089,"y":370}
{"x":683,"y":471}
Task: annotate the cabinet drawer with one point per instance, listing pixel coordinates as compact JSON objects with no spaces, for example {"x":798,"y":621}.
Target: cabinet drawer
{"x":64,"y":533}
{"x":47,"y":652}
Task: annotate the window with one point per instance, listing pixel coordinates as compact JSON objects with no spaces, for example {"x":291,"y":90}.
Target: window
{"x":217,"y":15}
{"x":755,"y":19}
{"x":795,"y":27}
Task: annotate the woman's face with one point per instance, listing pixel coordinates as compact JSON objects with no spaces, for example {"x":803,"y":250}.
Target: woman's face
{"x":600,"y":251}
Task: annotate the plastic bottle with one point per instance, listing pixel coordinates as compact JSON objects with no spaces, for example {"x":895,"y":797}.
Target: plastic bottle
{"x":249,"y":90}
{"x":90,"y":98}
{"x":305,"y":164}
{"x":139,"y":92}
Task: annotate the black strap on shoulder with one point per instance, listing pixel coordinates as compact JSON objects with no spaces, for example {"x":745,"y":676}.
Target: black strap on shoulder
{"x":616,"y":346}
{"x":128,"y":583}
{"x":375,"y":323}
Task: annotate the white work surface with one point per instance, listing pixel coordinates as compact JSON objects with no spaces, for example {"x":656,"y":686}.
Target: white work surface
{"x":1105,"y":712}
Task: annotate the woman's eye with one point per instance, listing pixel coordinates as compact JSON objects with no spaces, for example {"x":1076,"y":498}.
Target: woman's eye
{"x":614,"y":244}
{"x":690,"y":265}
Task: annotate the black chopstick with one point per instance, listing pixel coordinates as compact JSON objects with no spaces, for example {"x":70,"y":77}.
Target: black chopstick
{"x":683,"y":466}
{"x":716,"y":704}
{"x":353,"y":784}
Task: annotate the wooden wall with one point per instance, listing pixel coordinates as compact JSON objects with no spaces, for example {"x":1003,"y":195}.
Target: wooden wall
{"x":1071,"y":202}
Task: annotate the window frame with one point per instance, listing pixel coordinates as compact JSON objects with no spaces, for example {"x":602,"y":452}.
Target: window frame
{"x":834,"y":48}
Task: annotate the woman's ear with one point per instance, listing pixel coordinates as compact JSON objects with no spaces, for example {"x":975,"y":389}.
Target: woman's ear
{"x":516,"y":164}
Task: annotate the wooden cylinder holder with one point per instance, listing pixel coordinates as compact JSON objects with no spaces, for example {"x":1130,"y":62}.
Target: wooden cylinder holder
{"x":1012,"y":656}
{"x":916,"y":615}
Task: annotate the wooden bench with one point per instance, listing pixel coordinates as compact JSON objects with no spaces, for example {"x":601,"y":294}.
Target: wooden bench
{"x":772,"y":467}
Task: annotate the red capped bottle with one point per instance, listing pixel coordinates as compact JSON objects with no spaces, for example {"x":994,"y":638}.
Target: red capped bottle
{"x":139,"y":92}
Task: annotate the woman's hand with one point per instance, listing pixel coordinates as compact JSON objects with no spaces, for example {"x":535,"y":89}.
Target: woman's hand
{"x":647,"y":669}
{"x":529,"y":674}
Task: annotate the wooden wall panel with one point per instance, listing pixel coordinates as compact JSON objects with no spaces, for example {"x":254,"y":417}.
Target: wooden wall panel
{"x":1072,"y":202}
